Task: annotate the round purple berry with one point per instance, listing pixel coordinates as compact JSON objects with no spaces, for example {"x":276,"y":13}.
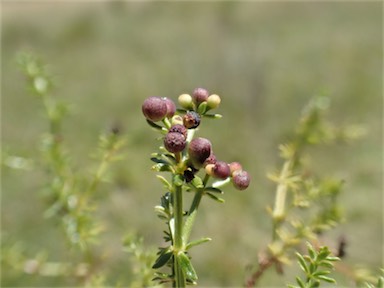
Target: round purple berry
{"x":199,"y":150}
{"x":235,"y":166}
{"x":211,"y":159}
{"x":154,"y":108}
{"x":174,"y":142}
{"x":200,"y":95}
{"x":221,"y":170}
{"x":241,"y":179}
{"x":171,"y":107}
{"x":191,"y":120}
{"x":179,"y":129}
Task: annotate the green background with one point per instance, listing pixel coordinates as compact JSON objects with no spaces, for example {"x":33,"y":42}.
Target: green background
{"x":266,"y":60}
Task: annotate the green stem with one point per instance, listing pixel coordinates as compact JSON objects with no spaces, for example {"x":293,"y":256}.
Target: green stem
{"x":180,"y":280}
{"x":199,"y":194}
{"x":281,"y":194}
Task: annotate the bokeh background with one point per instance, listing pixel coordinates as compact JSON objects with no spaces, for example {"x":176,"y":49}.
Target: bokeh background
{"x":266,"y":60}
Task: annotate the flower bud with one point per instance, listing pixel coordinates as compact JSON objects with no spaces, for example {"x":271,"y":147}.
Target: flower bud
{"x":241,"y":179}
{"x":186,"y":101}
{"x":174,"y":142}
{"x":199,"y":150}
{"x":213,"y":101}
{"x":171,"y":107}
{"x":179,"y":129}
{"x":154,"y":108}
{"x":221,"y":170}
{"x":235,"y":166}
{"x":200,"y":95}
{"x":191,"y":120}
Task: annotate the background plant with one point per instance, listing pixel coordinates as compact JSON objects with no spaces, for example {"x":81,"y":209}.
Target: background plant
{"x":271,"y":57}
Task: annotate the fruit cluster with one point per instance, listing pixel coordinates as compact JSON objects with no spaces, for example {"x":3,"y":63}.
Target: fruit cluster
{"x":193,"y":154}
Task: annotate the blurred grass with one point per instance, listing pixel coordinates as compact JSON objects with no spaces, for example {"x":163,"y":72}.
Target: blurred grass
{"x":265,"y":60}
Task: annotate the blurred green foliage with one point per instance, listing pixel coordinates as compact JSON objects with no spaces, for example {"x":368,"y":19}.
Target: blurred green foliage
{"x":266,"y":60}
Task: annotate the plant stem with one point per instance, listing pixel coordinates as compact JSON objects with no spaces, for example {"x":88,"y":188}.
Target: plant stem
{"x":198,"y":195}
{"x":281,"y":194}
{"x":178,"y":234}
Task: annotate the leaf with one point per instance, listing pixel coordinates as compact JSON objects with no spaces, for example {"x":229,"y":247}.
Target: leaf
{"x":197,"y":242}
{"x":332,"y":258}
{"x":186,"y":267}
{"x":302,"y":263}
{"x":214,"y":197}
{"x":214,"y":116}
{"x":162,"y":260}
{"x":188,"y":226}
{"x":326,"y":279}
{"x":213,"y":190}
{"x":158,"y":160}
{"x":311,"y":251}
{"x":165,"y":182}
{"x":320,"y":273}
{"x":160,"y":167}
{"x":154,"y":125}
{"x":300,"y":282}
{"x":221,"y":183}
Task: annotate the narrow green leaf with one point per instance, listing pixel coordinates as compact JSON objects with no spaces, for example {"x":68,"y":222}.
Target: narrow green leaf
{"x":165,"y":182}
{"x":197,"y":242}
{"x":154,"y":125}
{"x":160,"y":167}
{"x":332,"y":258}
{"x":188,"y":226}
{"x":215,"y":116}
{"x":221,"y":183}
{"x":158,"y":160}
{"x":213,"y":190}
{"x":214,"y":197}
{"x":300,"y":282}
{"x":380,"y":282}
{"x":186,"y":267}
{"x":320,"y":273}
{"x":311,"y":251}
{"x":326,"y":279}
{"x":312,"y":268}
{"x":162,"y":260}
{"x":326,"y":264}
{"x":302,"y":263}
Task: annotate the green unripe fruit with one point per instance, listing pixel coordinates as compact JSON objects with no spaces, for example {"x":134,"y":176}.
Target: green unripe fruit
{"x":186,"y":101}
{"x":213,"y":101}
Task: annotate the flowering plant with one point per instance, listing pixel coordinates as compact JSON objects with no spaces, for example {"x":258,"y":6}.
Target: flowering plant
{"x":192,"y":165}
